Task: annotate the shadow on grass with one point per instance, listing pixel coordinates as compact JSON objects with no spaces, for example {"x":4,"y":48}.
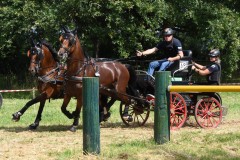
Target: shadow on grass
{"x":42,"y":128}
{"x":60,"y":128}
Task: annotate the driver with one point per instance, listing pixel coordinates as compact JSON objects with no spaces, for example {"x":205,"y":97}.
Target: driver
{"x":211,"y":71}
{"x":172,"y":51}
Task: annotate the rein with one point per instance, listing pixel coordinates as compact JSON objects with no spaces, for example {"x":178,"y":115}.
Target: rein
{"x":114,"y":91}
{"x":45,"y":78}
{"x":75,"y":77}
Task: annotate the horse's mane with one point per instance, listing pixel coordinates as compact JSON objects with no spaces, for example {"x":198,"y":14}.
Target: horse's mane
{"x":54,"y":54}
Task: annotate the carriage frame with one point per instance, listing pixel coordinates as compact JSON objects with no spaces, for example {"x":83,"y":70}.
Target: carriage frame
{"x":206,"y":107}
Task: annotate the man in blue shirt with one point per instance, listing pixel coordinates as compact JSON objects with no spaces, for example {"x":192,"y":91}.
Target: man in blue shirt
{"x":171,"y":48}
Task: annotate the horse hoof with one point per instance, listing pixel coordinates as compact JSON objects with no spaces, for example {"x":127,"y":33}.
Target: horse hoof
{"x":73,"y":129}
{"x":127,"y":118}
{"x":33,"y":126}
{"x":16,"y":116}
{"x":106,"y":116}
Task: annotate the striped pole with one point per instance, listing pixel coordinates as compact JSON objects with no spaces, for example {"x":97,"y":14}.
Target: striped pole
{"x":203,"y":88}
{"x":161,"y":109}
{"x":18,"y":90}
{"x":91,"y":126}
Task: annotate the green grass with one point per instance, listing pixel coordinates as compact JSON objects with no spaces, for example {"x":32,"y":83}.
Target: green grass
{"x":52,"y":140}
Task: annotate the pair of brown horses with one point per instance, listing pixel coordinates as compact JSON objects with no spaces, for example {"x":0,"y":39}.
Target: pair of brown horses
{"x":113,"y":76}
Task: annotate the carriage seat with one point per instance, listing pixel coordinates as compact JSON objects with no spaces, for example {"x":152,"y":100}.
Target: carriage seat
{"x":182,"y":63}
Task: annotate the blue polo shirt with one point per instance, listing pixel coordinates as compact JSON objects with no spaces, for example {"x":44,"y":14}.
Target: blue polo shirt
{"x":170,"y":49}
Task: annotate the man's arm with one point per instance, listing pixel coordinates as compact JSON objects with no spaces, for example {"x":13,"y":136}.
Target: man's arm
{"x":147,"y":52}
{"x":200,"y":69}
{"x":178,"y":57}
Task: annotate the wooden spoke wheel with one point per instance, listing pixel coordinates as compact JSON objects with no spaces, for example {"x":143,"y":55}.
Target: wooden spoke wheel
{"x":134,"y":114}
{"x":178,"y":111}
{"x":208,"y":112}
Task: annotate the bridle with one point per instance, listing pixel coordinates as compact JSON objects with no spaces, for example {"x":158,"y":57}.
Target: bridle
{"x":39,"y":52}
{"x":71,"y":38}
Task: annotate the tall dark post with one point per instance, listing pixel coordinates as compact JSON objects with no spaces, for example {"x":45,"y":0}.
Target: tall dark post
{"x":91,"y":127}
{"x":162,"y":109}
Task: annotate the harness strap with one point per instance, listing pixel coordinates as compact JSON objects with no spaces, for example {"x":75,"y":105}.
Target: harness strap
{"x":46,"y":78}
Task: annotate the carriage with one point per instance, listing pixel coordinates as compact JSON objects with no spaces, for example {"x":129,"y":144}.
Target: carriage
{"x":136,"y":96}
{"x":115,"y":81}
{"x":206,"y":107}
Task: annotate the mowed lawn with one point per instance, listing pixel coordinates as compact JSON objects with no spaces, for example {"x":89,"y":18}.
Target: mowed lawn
{"x":53,"y":140}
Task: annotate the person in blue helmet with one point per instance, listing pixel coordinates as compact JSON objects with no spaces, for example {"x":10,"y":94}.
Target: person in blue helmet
{"x":212,"y":71}
{"x":171,"y":48}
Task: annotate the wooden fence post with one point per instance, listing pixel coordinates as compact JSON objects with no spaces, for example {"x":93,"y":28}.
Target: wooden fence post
{"x":162,"y":108}
{"x":91,"y":126}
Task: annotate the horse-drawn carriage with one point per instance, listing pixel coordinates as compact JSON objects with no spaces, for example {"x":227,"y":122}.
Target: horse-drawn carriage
{"x":205,"y":107}
{"x":115,"y":82}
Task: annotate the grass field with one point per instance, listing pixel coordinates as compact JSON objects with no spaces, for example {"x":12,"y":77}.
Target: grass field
{"x":53,"y":141}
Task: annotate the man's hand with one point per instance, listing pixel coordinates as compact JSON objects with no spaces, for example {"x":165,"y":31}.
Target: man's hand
{"x":139,"y":53}
{"x":170,"y":59}
{"x":193,"y":67}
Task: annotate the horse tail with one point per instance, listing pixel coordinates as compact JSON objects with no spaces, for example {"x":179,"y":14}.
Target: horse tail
{"x":132,"y":73}
{"x":138,"y":85}
{"x":132,"y":87}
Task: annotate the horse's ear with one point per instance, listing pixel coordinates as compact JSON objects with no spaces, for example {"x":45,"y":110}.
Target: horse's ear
{"x":76,"y":26}
{"x":74,"y":31}
{"x":64,"y":29}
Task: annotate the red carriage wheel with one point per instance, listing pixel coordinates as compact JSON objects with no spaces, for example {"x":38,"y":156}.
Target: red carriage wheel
{"x":208,"y":112}
{"x":134,"y":114}
{"x":178,"y":111}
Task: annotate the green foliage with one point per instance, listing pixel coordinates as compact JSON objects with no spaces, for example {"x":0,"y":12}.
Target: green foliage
{"x":208,"y":25}
{"x":117,"y":29}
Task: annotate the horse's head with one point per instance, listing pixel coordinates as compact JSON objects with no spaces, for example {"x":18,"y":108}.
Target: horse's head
{"x":36,"y":55}
{"x":68,"y":43}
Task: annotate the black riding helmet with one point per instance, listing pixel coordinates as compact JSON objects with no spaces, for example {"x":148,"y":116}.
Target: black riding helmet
{"x":168,"y":31}
{"x":214,"y":53}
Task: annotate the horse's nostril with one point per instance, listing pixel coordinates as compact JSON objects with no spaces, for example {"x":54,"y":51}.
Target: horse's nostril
{"x":31,"y":70}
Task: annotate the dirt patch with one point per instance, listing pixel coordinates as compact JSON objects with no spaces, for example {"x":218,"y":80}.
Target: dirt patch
{"x":48,"y":142}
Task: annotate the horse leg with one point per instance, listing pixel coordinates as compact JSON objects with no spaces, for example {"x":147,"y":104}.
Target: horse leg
{"x":66,"y":100}
{"x":76,"y":116}
{"x":102,"y":108}
{"x":39,"y":115}
{"x":107,"y":107}
{"x":18,"y":114}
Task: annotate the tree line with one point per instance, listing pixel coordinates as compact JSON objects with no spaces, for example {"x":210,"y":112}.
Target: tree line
{"x":116,"y":29}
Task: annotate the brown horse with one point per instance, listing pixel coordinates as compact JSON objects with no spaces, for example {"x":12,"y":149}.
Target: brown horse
{"x":44,"y":65}
{"x":113,"y":75}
